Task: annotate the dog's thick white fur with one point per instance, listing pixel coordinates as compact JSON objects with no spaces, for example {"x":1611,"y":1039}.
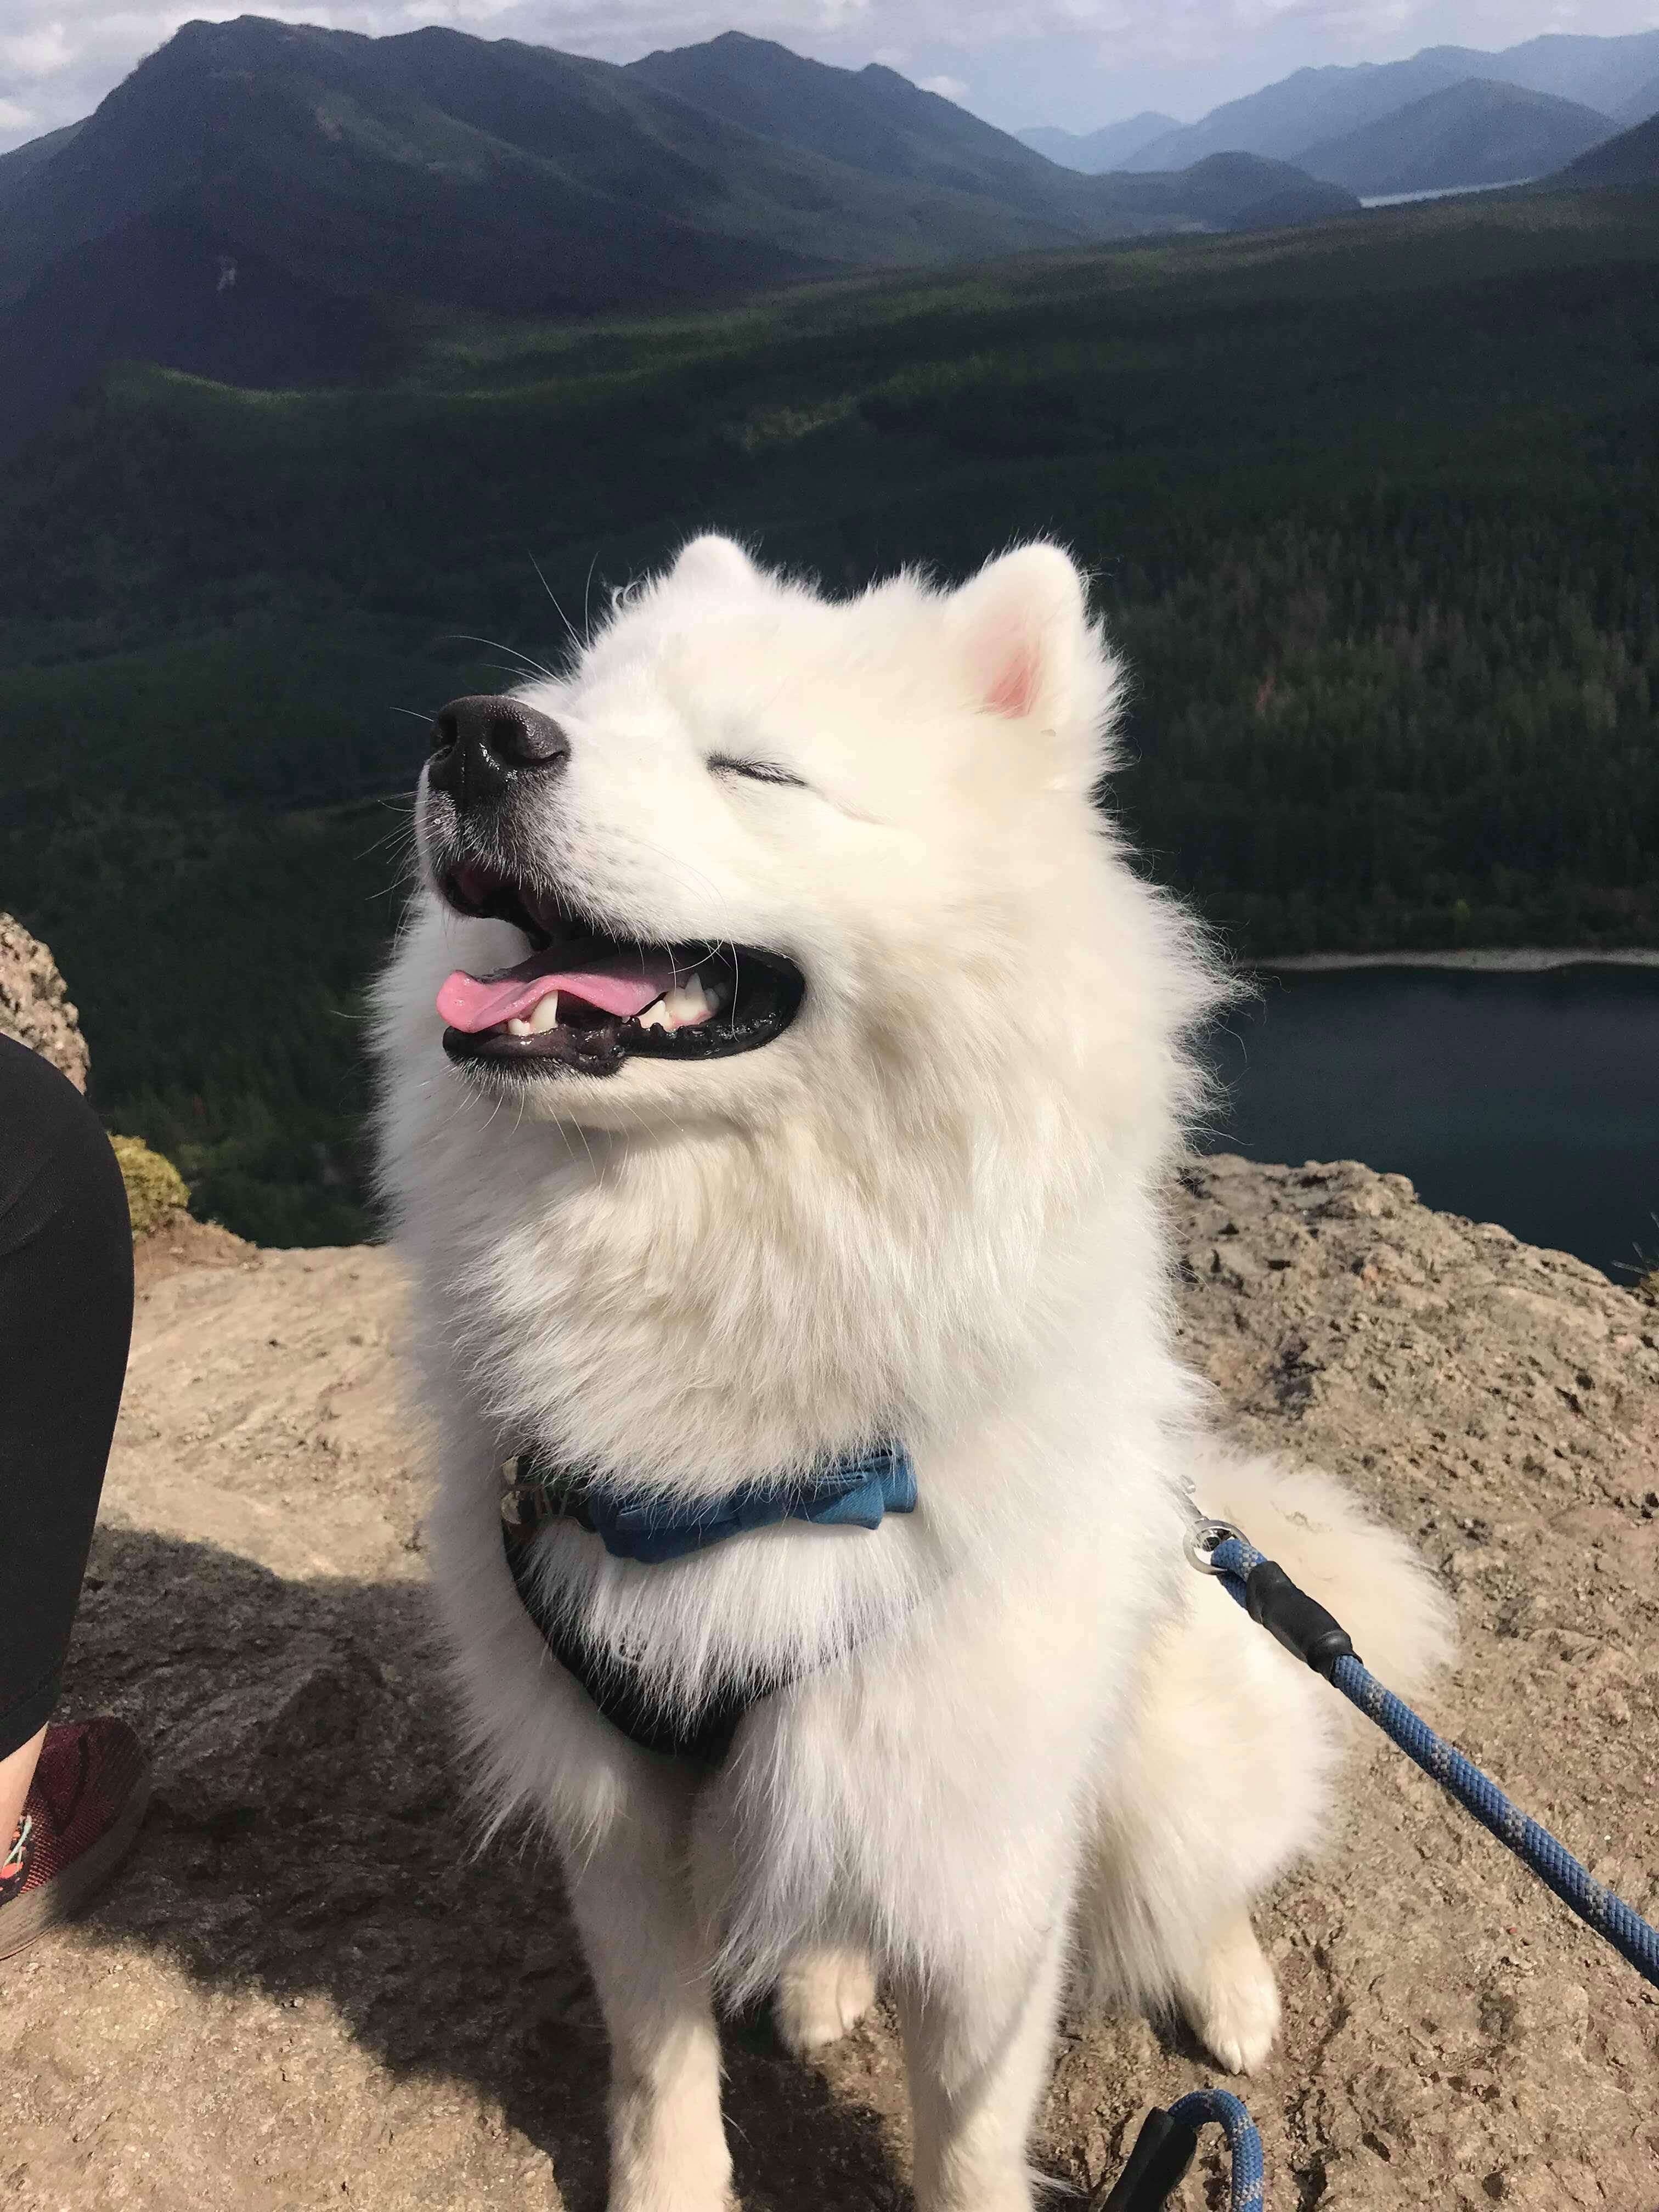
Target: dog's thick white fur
{"x":1022,"y":1736}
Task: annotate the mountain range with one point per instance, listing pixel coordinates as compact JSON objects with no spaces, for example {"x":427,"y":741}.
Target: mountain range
{"x":1336,"y":122}
{"x":263,"y":202}
{"x":272,"y":204}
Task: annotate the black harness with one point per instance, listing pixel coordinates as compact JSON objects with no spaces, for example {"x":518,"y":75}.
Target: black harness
{"x":537,"y":1494}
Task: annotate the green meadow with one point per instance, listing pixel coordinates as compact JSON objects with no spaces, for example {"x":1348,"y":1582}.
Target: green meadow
{"x":1373,"y":509}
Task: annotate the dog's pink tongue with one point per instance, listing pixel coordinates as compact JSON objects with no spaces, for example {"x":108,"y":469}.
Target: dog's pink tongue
{"x":625,"y":986}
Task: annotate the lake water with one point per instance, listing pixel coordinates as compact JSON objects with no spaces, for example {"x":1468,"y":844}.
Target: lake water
{"x":1531,"y":1100}
{"x":1439,"y":193}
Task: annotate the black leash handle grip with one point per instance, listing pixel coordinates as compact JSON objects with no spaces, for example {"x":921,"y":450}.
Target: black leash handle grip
{"x":1163,"y":2150}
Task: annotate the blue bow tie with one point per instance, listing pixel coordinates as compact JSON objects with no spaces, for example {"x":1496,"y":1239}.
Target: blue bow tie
{"x":853,"y":1493}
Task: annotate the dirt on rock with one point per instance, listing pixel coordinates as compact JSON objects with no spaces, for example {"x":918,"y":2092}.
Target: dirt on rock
{"x":308,"y":1990}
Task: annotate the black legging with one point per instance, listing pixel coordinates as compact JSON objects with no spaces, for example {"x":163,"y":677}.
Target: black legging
{"x":65,"y":1320}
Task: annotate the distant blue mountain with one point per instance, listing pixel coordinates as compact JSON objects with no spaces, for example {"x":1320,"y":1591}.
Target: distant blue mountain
{"x":1473,"y":133}
{"x":1316,"y":107}
{"x":1637,"y":105}
{"x":1631,"y":158}
{"x":1112,"y":147}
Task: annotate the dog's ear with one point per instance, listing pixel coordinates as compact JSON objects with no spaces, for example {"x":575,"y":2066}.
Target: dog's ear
{"x":1021,"y":628}
{"x":714,"y":561}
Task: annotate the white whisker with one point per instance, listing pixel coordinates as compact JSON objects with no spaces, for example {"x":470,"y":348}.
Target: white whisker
{"x":500,"y":645}
{"x":557,"y":608}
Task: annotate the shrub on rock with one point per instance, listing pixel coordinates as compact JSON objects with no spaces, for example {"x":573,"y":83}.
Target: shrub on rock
{"x":155,"y":1189}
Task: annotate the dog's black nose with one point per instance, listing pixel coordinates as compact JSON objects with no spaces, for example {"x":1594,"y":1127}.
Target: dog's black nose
{"x":479,"y":744}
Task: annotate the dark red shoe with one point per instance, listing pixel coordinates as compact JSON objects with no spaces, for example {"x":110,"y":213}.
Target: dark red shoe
{"x":84,"y":1809}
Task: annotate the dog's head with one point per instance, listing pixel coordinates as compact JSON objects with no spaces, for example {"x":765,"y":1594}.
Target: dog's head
{"x":756,"y":844}
{"x":781,"y":1019}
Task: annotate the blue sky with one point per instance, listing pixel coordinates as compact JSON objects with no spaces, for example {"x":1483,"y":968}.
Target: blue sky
{"x":1077,"y":63}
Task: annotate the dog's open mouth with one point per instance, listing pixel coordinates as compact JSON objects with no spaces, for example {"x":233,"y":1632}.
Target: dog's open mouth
{"x":586,"y":1000}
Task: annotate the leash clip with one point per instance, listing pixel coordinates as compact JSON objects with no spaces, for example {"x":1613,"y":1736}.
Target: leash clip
{"x":1204,"y":1537}
{"x":530,"y":1499}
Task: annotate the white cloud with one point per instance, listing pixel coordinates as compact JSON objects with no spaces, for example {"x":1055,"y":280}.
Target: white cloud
{"x":1085,"y":60}
{"x":948,"y":87}
{"x":36,"y":53}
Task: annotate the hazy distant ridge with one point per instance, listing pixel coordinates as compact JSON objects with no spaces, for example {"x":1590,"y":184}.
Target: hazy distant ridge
{"x":1315,"y":109}
{"x":1112,"y":147}
{"x":1478,"y":132}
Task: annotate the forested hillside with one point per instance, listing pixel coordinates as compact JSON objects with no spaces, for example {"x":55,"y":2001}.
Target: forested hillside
{"x":1373,"y":511}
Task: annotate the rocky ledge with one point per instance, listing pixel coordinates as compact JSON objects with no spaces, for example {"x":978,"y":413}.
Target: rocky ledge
{"x":306,"y":1992}
{"x":34,"y":1003}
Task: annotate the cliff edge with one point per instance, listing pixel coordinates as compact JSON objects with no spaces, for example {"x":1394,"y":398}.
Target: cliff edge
{"x":306,"y":1991}
{"x":35,"y":1007}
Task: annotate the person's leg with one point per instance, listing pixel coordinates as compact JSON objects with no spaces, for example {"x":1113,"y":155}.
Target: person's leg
{"x":65,"y":1321}
{"x":17,"y":1772}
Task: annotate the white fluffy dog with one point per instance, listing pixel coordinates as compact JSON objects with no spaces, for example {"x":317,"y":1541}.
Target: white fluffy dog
{"x":809,"y":1064}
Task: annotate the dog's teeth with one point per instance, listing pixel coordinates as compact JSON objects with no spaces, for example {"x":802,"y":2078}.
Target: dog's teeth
{"x":515,"y":1027}
{"x":689,"y":1004}
{"x":678,"y":1009}
{"x":545,"y":1014}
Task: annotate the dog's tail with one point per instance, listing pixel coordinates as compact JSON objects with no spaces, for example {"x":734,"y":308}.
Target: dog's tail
{"x":1364,"y":1573}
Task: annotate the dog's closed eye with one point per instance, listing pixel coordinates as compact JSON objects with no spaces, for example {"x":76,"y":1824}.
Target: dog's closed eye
{"x":757,"y":771}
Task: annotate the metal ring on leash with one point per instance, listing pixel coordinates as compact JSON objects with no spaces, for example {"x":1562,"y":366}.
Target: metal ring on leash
{"x":1204,"y":1538}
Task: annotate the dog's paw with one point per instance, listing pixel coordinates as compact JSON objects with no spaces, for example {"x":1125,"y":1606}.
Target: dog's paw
{"x":822,"y":1994}
{"x":1233,"y":2003}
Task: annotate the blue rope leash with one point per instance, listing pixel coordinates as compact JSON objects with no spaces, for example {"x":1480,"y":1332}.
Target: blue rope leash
{"x":1167,"y":2145}
{"x":1167,"y":2141}
{"x":1249,"y":2187}
{"x":1236,"y":1561}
